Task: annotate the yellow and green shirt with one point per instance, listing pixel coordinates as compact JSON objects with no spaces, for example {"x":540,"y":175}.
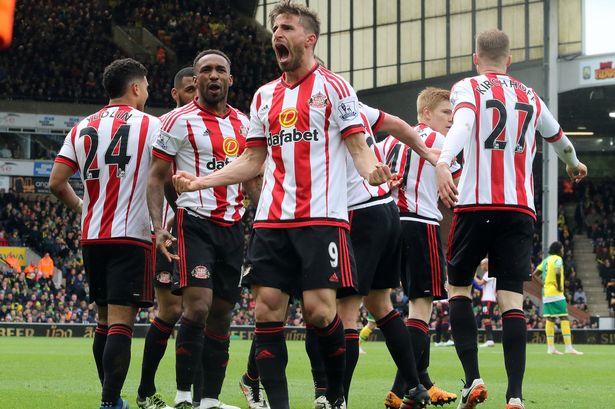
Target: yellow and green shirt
{"x":549,"y":267}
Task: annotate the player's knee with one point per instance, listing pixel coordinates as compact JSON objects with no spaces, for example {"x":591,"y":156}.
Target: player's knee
{"x":320,"y":315}
{"x":170,"y":313}
{"x":197,"y":312}
{"x":459,"y":291}
{"x":420,"y":309}
{"x":219,"y":321}
{"x":378,"y":307}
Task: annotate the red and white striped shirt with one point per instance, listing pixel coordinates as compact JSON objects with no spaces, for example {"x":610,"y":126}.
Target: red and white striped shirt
{"x":111,"y":149}
{"x":360,"y":193}
{"x":201,"y":142}
{"x":417,"y":195}
{"x":499,"y":153}
{"x":303,"y":126}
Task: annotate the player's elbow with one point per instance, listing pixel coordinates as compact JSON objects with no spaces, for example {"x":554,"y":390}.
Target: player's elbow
{"x":56,"y":186}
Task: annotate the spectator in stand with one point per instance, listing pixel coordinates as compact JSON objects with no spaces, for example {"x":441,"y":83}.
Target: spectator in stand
{"x":46,"y":266}
{"x":186,"y":25}
{"x":13,"y":263}
{"x":579,"y":299}
{"x":610,"y":296}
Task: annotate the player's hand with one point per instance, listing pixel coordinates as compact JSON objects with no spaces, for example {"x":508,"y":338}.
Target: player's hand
{"x":578,"y":173}
{"x":186,"y":182}
{"x":394,"y":182}
{"x":164,"y":240}
{"x":380,"y":175}
{"x":446,"y":186}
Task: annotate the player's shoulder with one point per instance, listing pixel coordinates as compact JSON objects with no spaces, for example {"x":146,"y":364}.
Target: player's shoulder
{"x":238,"y":112}
{"x":334,"y":82}
{"x":426,"y":131}
{"x":267,"y":88}
{"x":140,"y":115}
{"x":177,"y":117}
{"x":245,"y":120}
{"x":467,"y":82}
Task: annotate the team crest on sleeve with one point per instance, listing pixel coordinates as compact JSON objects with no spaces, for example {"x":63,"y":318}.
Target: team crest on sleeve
{"x":348,"y":110}
{"x":454,"y":97}
{"x":200,"y":272}
{"x":163,"y":140}
{"x":319,"y":100}
{"x":243,"y":131}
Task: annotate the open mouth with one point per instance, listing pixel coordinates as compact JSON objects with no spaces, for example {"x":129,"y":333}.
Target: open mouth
{"x":282,"y":52}
{"x":214,"y":87}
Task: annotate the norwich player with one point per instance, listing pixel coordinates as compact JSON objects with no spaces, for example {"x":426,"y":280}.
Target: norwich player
{"x":366,"y":331}
{"x":553,"y":299}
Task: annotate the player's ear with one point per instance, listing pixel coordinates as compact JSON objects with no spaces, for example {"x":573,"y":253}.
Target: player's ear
{"x":311,"y":40}
{"x":174,"y":94}
{"x":135,"y":88}
{"x":508,"y":60}
{"x":474,"y":59}
{"x":230,"y":80}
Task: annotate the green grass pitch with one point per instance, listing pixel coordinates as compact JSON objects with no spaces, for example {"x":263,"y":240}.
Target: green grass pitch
{"x":49,"y":373}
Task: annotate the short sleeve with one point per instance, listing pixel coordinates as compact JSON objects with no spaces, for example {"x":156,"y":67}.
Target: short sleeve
{"x":547,"y":125}
{"x":67,"y":154}
{"x":374,"y":116}
{"x":256,"y":128}
{"x":455,"y":169}
{"x":169,"y":137}
{"x":558,"y":263}
{"x":345,"y":108}
{"x":462,"y":96}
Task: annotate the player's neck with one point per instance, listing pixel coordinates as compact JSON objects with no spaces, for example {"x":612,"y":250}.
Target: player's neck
{"x":218,"y":108}
{"x":291,"y":77}
{"x":491,"y":69}
{"x":122,"y":101}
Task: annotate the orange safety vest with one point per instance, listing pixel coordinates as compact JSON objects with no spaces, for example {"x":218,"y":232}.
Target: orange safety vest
{"x":45,"y":266}
{"x":7,"y":10}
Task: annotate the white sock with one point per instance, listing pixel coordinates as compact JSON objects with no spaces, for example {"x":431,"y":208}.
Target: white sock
{"x":209,"y":403}
{"x":569,"y":347}
{"x":183,"y":396}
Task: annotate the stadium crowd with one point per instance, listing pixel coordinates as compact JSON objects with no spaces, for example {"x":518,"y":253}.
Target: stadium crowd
{"x":46,"y":31}
{"x":595,"y":215}
{"x":47,"y":226}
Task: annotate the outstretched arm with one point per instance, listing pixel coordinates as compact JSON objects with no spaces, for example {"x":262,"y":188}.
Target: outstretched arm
{"x":406,"y":134}
{"x":246,"y":167}
{"x":463,"y":122}
{"x":366,"y":162}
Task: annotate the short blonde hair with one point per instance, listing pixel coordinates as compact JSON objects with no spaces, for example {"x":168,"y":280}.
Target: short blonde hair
{"x":493,"y":45}
{"x":429,"y":98}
